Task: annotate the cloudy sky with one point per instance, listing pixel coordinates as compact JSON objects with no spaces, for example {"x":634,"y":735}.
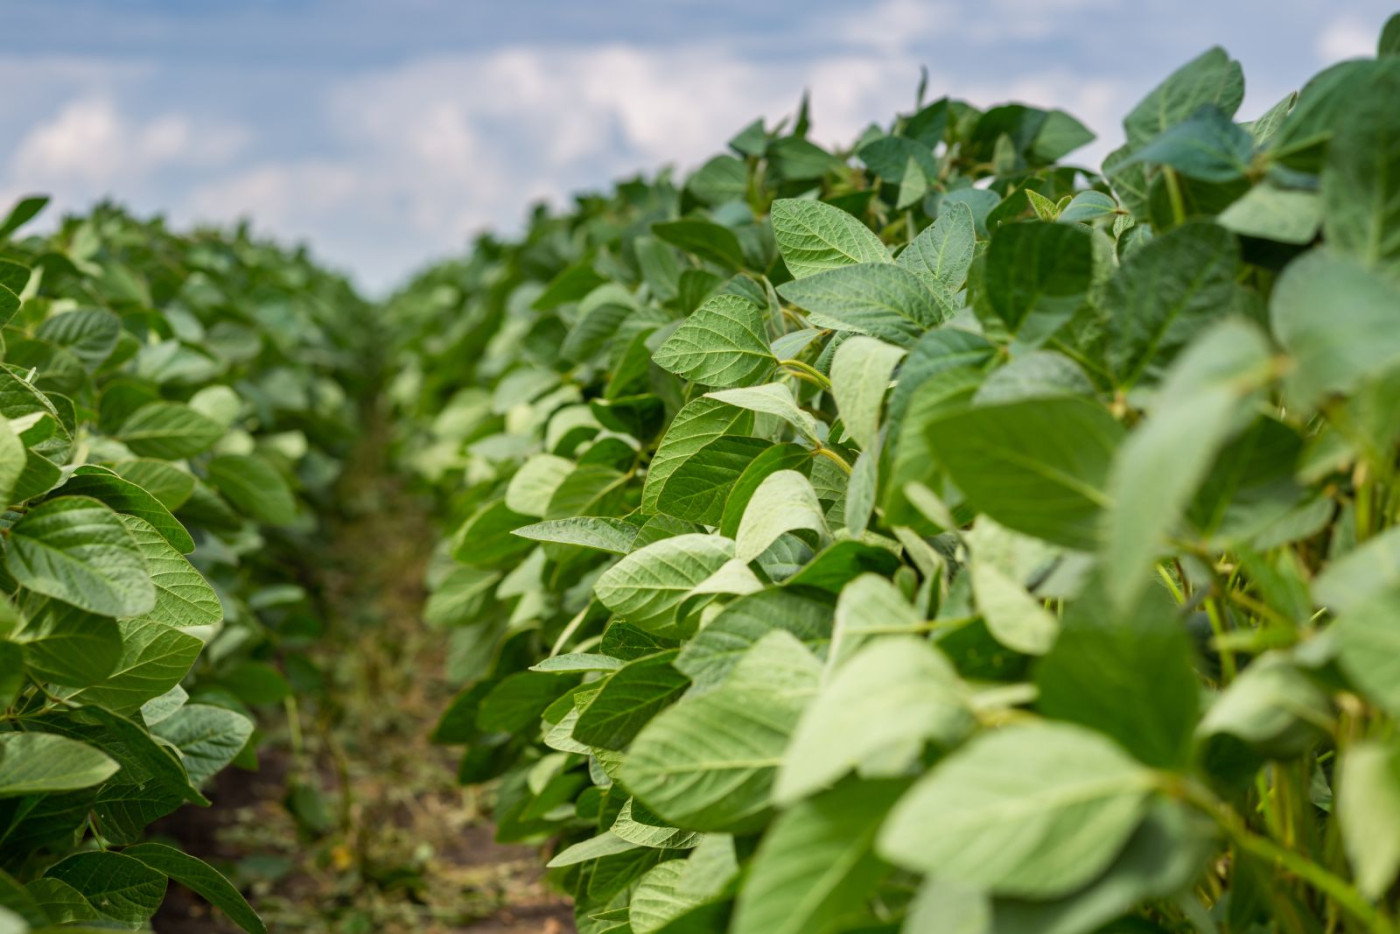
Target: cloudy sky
{"x":385,"y":132}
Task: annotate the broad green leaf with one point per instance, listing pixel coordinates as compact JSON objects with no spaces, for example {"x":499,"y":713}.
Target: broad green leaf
{"x":605,"y":844}
{"x":708,"y":762}
{"x":184,"y":599}
{"x":1032,"y":811}
{"x":723,"y":178}
{"x":1087,"y":206}
{"x":1014,"y":617}
{"x":724,"y":343}
{"x":696,"y":425}
{"x":12,"y":461}
{"x":815,"y":866}
{"x":655,"y":903}
{"x":208,"y":737}
{"x":637,"y":825}
{"x":879,"y":299}
{"x":154,"y":658}
{"x":68,"y":646}
{"x":89,"y":334}
{"x":121,"y":887}
{"x":199,"y":877}
{"x":1039,"y":466}
{"x":129,"y":499}
{"x":1037,"y":276}
{"x":41,"y":763}
{"x":814,"y":237}
{"x":1336,"y":318}
{"x":1165,"y":293}
{"x":770,"y":460}
{"x":943,"y":252}
{"x":1272,"y":213}
{"x":1206,"y":146}
{"x":1165,"y":459}
{"x":874,"y":715}
{"x":1210,"y":78}
{"x":169,"y":431}
{"x":77,"y":550}
{"x":860,"y":376}
{"x":1361,"y":181}
{"x":628,"y":699}
{"x":711,"y":654}
{"x":1272,"y":706}
{"x":698,"y":489}
{"x":254,"y":487}
{"x":705,"y":239}
{"x":647,"y":586}
{"x":770,"y":399}
{"x":1367,"y":641}
{"x":1368,"y":809}
{"x":603,"y":534}
{"x":166,"y":482}
{"x":458,"y":596}
{"x":870,"y":606}
{"x":1129,"y":676}
{"x":23,"y":211}
{"x":784,"y":502}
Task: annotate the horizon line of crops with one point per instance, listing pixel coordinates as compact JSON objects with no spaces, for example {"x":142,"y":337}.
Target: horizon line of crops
{"x":937,"y":535}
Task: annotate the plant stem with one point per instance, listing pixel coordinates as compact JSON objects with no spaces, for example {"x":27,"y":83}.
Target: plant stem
{"x":832,"y":456}
{"x":814,"y":375}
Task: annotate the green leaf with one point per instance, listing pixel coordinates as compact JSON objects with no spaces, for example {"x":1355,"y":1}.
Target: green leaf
{"x":1368,"y":809}
{"x":603,"y":534}
{"x":698,"y":490}
{"x":1031,"y":811}
{"x":784,"y":502}
{"x":1037,"y":276}
{"x":787,"y":456}
{"x":1210,"y":78}
{"x":169,"y":431}
{"x":128,"y":498}
{"x":770,"y":399}
{"x":1014,"y":618}
{"x":184,"y":599}
{"x":868,"y":606}
{"x":201,"y":878}
{"x":1039,"y":466}
{"x":709,"y":657}
{"x":696,"y":425}
{"x":89,"y":334}
{"x":708,"y":762}
{"x":68,"y":646}
{"x":647,"y":586}
{"x":860,"y":376}
{"x":1361,"y":181}
{"x":874,"y":715}
{"x":254,"y":487}
{"x":12,"y":461}
{"x":816,"y":866}
{"x":724,"y":343}
{"x":814,"y":237}
{"x":1336,"y":318}
{"x":628,"y":699}
{"x":723,"y":178}
{"x":1271,"y":213}
{"x":23,"y":211}
{"x":1367,"y":642}
{"x":943,"y":252}
{"x":208,"y":737}
{"x":707,"y":240}
{"x":1272,"y":706}
{"x":638,"y":825}
{"x":121,"y":887}
{"x":166,"y":482}
{"x":154,"y":658}
{"x":879,"y":299}
{"x":77,"y":550}
{"x":41,"y":763}
{"x":1208,"y":146}
{"x":1165,"y":293}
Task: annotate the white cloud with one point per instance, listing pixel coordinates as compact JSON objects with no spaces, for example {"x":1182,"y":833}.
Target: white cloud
{"x":90,"y":146}
{"x":1345,"y":38}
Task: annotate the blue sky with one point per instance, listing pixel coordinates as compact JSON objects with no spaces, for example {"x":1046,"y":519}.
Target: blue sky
{"x":386,"y":132}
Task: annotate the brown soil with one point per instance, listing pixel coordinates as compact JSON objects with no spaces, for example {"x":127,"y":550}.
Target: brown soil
{"x":386,"y":842}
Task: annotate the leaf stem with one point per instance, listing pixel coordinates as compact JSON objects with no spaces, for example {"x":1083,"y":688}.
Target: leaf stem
{"x":811,"y":373}
{"x":832,"y":456}
{"x":1335,"y":887}
{"x":1174,"y":193}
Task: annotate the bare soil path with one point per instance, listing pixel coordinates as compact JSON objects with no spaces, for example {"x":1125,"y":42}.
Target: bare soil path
{"x":353,"y":823}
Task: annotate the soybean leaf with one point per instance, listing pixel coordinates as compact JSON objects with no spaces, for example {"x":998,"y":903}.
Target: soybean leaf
{"x":878,"y":299}
{"x":122,"y":887}
{"x":784,"y":502}
{"x":647,"y":586}
{"x":77,"y":550}
{"x":696,"y":425}
{"x":1031,"y":811}
{"x":1037,"y":275}
{"x":943,"y":252}
{"x":1368,"y":808}
{"x":814,"y":237}
{"x":1210,"y":78}
{"x":41,"y":763}
{"x":199,"y":877}
{"x":724,"y":343}
{"x":168,"y":430}
{"x":254,"y":487}
{"x":860,"y":376}
{"x":628,"y":699}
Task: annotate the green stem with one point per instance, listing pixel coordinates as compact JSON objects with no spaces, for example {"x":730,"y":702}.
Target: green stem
{"x":1174,"y":193}
{"x":813,"y":374}
{"x":832,"y":456}
{"x":1333,"y":886}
